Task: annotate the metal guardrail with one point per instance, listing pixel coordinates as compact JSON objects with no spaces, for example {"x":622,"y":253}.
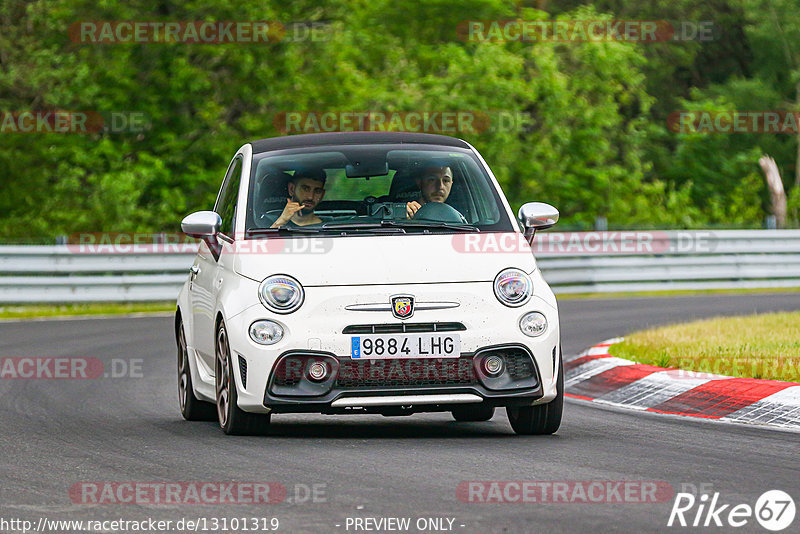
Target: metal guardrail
{"x":49,"y":274}
{"x":670,"y":260}
{"x":572,"y":262}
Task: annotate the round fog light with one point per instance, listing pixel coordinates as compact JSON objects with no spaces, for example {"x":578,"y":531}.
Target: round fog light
{"x":266,"y":332}
{"x":318,"y":371}
{"x":493,"y":365}
{"x":533,"y":324}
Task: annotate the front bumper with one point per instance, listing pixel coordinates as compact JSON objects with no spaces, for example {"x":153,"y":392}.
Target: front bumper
{"x":400,"y":403}
{"x":318,"y":327}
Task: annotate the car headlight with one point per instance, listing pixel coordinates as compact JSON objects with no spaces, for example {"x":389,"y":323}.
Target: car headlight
{"x":281,"y":293}
{"x":533,"y":324}
{"x":513,"y":287}
{"x":266,"y":332}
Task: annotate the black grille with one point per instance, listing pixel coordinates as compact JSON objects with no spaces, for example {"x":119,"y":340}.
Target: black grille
{"x":519,"y":365}
{"x":399,"y":328}
{"x":289,"y":372}
{"x":408,"y":372}
{"x":243,"y":371}
{"x":412,"y":372}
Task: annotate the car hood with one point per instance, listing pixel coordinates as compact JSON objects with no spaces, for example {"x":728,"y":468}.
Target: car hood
{"x":392,"y":259}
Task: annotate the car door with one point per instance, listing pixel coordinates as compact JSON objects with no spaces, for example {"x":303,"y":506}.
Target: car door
{"x":204,"y":287}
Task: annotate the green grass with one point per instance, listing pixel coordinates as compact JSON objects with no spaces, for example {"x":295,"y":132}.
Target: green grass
{"x":677,"y":293}
{"x":754,"y":346}
{"x":89,"y":308}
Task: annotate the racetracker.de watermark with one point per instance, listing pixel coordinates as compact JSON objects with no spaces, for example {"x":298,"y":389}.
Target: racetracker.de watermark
{"x":68,"y":368}
{"x":177,"y":493}
{"x":643,"y":31}
{"x":197,"y":31}
{"x":564,"y":491}
{"x":386,"y":366}
{"x":73,"y":122}
{"x":295,"y":122}
{"x":782,"y":368}
{"x":175,"y":243}
{"x":588,"y":243}
{"x":734,"y":121}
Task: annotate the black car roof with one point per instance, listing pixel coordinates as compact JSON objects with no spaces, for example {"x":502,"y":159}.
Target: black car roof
{"x":353,"y":138}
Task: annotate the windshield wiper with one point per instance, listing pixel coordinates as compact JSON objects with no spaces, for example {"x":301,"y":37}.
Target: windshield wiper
{"x":433,"y":224}
{"x":282,"y":230}
{"x":383,"y":226}
{"x":400,"y":225}
{"x":362,"y":226}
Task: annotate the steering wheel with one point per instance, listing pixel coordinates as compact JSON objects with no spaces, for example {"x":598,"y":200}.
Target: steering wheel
{"x":269,"y":217}
{"x":439,"y":211}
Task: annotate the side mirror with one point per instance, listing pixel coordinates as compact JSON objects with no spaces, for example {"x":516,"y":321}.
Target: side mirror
{"x":202,"y":224}
{"x":537,"y":216}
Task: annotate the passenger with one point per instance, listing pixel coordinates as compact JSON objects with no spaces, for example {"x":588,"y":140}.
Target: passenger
{"x":434,"y":184}
{"x":306,"y":189}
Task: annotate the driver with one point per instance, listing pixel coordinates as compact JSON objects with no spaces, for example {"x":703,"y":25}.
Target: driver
{"x":306,"y":189}
{"x":435,"y":184}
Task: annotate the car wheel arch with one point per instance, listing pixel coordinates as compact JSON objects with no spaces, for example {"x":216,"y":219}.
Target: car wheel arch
{"x":218,"y":320}
{"x":177,"y":321}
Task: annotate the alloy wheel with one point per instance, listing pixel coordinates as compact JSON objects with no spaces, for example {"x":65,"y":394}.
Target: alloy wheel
{"x":223,"y":376}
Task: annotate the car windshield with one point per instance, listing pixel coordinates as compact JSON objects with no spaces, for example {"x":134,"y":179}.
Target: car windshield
{"x":372,"y":189}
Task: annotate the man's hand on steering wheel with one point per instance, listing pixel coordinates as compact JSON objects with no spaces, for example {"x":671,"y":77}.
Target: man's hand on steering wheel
{"x":411,"y":208}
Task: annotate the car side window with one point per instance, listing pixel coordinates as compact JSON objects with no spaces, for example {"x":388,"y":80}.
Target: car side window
{"x":226,"y":205}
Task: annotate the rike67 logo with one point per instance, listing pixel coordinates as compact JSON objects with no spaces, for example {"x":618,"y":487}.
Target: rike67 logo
{"x":774,"y":510}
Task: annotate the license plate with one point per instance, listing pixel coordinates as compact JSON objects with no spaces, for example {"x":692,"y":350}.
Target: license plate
{"x":385,"y":346}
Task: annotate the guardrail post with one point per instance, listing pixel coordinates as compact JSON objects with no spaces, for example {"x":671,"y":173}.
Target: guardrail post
{"x":601,"y":224}
{"x":771,"y":222}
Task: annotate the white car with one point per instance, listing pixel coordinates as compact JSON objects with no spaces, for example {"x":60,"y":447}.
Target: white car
{"x":366,"y":272}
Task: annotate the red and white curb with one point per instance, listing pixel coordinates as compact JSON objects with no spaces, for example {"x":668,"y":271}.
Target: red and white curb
{"x":597,"y":376}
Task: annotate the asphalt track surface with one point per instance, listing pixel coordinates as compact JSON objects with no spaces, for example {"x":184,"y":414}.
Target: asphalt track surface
{"x":55,"y":433}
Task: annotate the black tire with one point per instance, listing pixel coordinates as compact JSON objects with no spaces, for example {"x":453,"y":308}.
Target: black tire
{"x":543,"y":418}
{"x":473,"y":412}
{"x":232,"y":419}
{"x":192,"y":408}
